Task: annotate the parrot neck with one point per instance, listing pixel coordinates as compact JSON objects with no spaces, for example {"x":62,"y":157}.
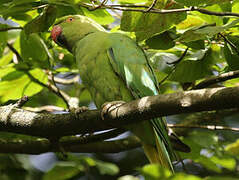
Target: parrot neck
{"x":73,"y":39}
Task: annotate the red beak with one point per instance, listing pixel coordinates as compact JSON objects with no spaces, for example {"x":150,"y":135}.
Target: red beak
{"x":56,"y":31}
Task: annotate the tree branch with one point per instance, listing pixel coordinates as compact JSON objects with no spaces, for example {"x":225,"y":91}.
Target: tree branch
{"x":67,"y":81}
{"x":217,"y":79}
{"x":51,"y":125}
{"x":38,"y":146}
{"x":209,"y":127}
{"x":148,"y":9}
{"x":10,"y":28}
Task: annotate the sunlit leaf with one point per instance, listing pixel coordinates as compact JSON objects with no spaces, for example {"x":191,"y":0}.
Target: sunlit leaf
{"x":101,"y":16}
{"x":34,"y":50}
{"x":155,"y":172}
{"x":233,"y":148}
{"x":63,"y":171}
{"x":16,"y":84}
{"x":42,"y":22}
{"x":107,"y":168}
{"x":145,"y":25}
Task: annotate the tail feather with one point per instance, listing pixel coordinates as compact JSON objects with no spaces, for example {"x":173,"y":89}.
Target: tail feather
{"x":162,"y":149}
{"x":156,"y":156}
{"x":163,"y":153}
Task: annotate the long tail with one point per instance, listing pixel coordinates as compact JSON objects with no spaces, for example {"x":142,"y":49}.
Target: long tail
{"x":158,"y":154}
{"x":162,"y":152}
{"x":155,"y":141}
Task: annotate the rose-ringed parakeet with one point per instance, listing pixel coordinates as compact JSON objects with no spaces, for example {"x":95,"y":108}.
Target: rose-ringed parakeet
{"x":114,"y":68}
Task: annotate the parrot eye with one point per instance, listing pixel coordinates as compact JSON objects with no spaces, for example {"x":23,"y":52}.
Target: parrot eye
{"x":69,"y":20}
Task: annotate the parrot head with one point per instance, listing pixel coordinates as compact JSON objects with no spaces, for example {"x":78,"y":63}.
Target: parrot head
{"x":69,"y":29}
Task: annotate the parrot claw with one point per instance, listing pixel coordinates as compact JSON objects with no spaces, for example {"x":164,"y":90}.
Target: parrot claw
{"x":81,"y":109}
{"x":110,"y":106}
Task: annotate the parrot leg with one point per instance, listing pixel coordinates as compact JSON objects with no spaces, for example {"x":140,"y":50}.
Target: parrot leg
{"x":110,"y":106}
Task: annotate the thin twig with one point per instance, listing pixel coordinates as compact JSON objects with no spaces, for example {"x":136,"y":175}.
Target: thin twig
{"x":58,"y":91}
{"x":21,"y":101}
{"x":67,"y":81}
{"x":174,"y":67}
{"x":230,"y":43}
{"x":151,"y":6}
{"x":142,"y":8}
{"x":10,"y":28}
{"x":209,"y":127}
{"x":217,"y":79}
{"x":51,"y":87}
{"x":93,"y":138}
{"x":14,"y":51}
{"x":214,"y":13}
{"x":99,"y":6}
{"x":180,"y":59}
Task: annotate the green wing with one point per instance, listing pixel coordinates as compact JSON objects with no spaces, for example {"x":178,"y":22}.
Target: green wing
{"x":130,"y":63}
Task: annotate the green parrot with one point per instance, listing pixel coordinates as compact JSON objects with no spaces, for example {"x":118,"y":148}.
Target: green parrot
{"x":114,"y":68}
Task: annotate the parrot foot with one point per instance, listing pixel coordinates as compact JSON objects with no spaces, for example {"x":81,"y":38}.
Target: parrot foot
{"x":81,"y":109}
{"x":110,"y":106}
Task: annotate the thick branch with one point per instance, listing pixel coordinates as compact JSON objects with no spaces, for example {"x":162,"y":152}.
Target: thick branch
{"x":47,"y":125}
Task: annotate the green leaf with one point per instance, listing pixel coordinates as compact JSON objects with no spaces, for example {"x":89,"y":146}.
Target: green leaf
{"x":42,"y":22}
{"x":145,"y":25}
{"x":161,"y":41}
{"x":205,"y":151}
{"x":235,"y":6}
{"x":225,"y":162}
{"x":3,"y":39}
{"x":209,"y":18}
{"x":190,"y":22}
{"x":63,"y":171}
{"x":100,"y":15}
{"x":6,"y":70}
{"x":16,"y":84}
{"x":11,"y":168}
{"x":103,"y":167}
{"x":205,"y":31}
{"x":199,"y":44}
{"x":184,"y":177}
{"x":233,"y":148}
{"x":34,"y":50}
{"x":155,"y":172}
{"x":18,"y":2}
{"x":107,"y":168}
{"x":231,"y":57}
{"x":194,"y":67}
{"x":16,"y":10}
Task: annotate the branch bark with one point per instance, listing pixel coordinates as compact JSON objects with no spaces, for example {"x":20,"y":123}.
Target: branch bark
{"x":58,"y":125}
{"x":38,"y":146}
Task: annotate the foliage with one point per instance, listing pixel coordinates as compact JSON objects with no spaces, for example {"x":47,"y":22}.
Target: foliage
{"x":205,"y":44}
